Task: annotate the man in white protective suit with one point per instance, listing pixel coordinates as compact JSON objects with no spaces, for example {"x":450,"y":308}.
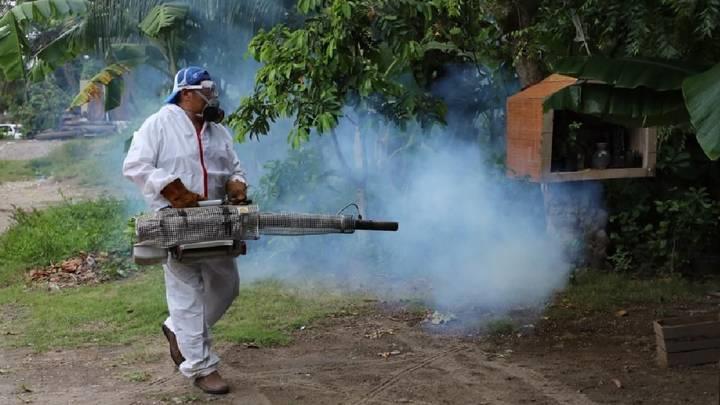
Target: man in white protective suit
{"x":179,"y":156}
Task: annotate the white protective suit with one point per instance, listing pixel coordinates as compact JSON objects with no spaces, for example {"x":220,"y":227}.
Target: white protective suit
{"x":167,"y":147}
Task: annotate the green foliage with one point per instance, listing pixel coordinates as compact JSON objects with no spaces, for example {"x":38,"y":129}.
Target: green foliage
{"x":15,"y":170}
{"x":16,"y":50}
{"x":43,"y":108}
{"x":660,"y":75}
{"x":665,"y":236}
{"x":671,"y":29}
{"x":374,"y":55}
{"x":110,"y":313}
{"x":292,"y":183}
{"x":39,"y":238}
{"x":500,"y":327}
{"x":642,"y":93}
{"x":162,"y":19}
{"x":599,"y":292}
{"x":640,"y":107}
{"x":701,"y":94}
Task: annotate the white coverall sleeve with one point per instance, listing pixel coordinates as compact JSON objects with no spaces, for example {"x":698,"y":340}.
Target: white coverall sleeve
{"x":140,"y":164}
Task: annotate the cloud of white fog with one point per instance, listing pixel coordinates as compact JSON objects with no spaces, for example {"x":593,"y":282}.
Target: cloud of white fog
{"x":468,"y":236}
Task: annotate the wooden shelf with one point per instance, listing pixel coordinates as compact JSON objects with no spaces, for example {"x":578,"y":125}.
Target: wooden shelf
{"x":595,"y":174}
{"x":529,"y":139}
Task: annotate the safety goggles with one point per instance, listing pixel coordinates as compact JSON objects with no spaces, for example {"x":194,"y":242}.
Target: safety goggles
{"x":206,"y":86}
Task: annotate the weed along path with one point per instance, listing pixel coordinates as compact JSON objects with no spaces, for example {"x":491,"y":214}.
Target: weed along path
{"x":28,"y":194}
{"x":364,"y":359}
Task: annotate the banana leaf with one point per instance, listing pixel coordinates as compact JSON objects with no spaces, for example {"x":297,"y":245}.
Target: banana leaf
{"x":633,"y":73}
{"x":639,"y":107}
{"x":105,"y":77}
{"x":53,"y":55}
{"x":702,"y":97}
{"x":130,"y":54}
{"x":14,"y":48}
{"x":163,"y":17}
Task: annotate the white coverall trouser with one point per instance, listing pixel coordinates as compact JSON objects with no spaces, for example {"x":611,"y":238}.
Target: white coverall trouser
{"x":166,"y":147}
{"x":198,"y":294}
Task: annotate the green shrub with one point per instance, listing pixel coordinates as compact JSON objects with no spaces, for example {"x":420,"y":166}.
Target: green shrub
{"x":41,"y":237}
{"x":666,"y":236}
{"x":43,"y":108}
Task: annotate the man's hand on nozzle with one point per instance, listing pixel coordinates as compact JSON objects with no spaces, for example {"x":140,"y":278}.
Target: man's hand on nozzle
{"x":179,"y":196}
{"x":236,"y":191}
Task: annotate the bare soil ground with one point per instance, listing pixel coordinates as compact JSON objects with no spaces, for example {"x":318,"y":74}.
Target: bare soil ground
{"x":26,"y":149}
{"x":35,"y":194}
{"x":338,"y":361}
{"x":32,"y":193}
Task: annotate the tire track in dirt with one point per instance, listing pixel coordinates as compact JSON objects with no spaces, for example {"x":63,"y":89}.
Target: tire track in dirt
{"x":397,"y":376}
{"x":554,"y":390}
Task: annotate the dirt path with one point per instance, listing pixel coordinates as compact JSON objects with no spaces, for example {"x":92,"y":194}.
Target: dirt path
{"x":330,"y":363}
{"x":26,"y":149}
{"x":32,"y":193}
{"x":338,"y":361}
{"x":35,"y":194}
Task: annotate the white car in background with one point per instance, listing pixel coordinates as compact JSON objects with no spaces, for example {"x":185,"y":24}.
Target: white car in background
{"x":12,"y":131}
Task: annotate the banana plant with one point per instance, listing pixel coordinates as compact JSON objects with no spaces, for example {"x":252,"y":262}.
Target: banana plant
{"x":641,"y":92}
{"x":162,"y":29}
{"x":19,"y":57}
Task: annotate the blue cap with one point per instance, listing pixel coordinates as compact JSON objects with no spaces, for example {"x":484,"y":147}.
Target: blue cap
{"x":189,"y":76}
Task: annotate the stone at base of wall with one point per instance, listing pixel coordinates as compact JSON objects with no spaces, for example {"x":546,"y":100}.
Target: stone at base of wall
{"x":575,"y":214}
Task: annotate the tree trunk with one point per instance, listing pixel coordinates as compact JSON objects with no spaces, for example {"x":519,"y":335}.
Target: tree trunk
{"x":360,"y":161}
{"x":528,"y":70}
{"x":519,"y":15}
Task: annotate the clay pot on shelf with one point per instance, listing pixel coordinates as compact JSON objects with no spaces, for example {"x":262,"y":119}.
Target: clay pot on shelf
{"x":601,"y":158}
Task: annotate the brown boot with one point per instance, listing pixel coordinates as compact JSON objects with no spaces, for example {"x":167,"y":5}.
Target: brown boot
{"x":212,"y":384}
{"x":175,"y":354}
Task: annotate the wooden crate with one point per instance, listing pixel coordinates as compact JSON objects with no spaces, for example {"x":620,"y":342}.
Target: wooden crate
{"x":688,"y":341}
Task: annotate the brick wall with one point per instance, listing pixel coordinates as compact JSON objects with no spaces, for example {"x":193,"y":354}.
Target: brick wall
{"x":524,"y":142}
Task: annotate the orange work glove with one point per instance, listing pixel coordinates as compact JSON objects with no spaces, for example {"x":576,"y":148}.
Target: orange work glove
{"x":236,"y":191}
{"x":179,"y":196}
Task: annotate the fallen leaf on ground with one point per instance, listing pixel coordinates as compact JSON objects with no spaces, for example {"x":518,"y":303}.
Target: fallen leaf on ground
{"x":621,"y":313}
{"x":80,"y":270}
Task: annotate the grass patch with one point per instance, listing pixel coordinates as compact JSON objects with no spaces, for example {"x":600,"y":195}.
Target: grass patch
{"x":266,"y":312}
{"x":15,"y":170}
{"x":124,"y":312}
{"x":41,"y":237}
{"x":500,"y":327}
{"x":595,"y":292}
{"x":137,"y":376}
{"x":112,"y":313}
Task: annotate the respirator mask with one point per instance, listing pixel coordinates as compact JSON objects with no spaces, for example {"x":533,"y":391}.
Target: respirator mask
{"x":212,"y":111}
